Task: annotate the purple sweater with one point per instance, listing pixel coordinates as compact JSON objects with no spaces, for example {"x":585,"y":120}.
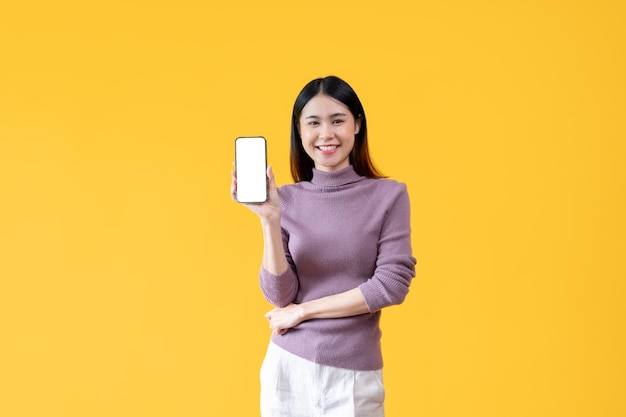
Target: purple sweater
{"x":342,"y":231}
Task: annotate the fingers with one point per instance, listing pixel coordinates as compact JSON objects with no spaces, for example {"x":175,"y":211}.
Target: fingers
{"x":276,"y":329}
{"x":233,"y":185}
{"x":270,"y":176}
{"x":271,"y":181}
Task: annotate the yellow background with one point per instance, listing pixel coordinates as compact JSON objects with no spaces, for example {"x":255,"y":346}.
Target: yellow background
{"x":128,"y":278}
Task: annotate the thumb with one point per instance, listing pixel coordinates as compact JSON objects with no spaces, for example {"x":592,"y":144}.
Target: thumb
{"x":271,"y":181}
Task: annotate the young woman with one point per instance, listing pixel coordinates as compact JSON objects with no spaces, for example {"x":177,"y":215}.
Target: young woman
{"x":337,"y":249}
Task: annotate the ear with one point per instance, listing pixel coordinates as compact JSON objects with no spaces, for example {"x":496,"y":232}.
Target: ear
{"x":357,"y":124}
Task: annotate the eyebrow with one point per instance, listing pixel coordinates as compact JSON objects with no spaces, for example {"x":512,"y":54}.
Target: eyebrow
{"x":332,"y":115}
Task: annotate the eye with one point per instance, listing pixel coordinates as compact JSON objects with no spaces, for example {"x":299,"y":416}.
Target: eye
{"x":313,"y":123}
{"x":338,"y":121}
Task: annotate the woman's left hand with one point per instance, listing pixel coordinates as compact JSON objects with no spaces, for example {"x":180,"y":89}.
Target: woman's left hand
{"x":283,"y":319}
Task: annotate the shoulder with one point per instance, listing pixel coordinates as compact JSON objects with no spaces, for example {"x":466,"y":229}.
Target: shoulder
{"x":289,"y":189}
{"x":288,"y":192}
{"x":388,"y":186}
{"x":391,"y":196}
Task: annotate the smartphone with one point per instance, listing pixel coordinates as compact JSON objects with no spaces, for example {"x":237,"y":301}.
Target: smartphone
{"x":251,"y":169}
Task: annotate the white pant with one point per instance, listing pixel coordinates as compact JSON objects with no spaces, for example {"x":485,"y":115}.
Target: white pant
{"x":295,"y":387}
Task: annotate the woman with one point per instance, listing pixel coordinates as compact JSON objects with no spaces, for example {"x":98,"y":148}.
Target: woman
{"x":337,"y":249}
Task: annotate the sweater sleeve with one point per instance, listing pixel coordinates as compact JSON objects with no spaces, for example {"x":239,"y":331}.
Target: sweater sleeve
{"x":280,"y":290}
{"x":395,"y":265}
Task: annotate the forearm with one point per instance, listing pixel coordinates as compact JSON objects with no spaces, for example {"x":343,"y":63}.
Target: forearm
{"x":274,"y":260}
{"x":345,"y":304}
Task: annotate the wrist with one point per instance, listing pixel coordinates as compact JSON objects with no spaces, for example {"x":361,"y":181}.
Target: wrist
{"x":270,"y":221}
{"x":306,"y":311}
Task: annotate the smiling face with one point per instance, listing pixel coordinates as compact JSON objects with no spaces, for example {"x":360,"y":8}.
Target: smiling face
{"x":327,"y":128}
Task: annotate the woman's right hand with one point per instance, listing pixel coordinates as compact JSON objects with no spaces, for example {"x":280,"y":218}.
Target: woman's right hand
{"x":274,"y":259}
{"x":268,"y":211}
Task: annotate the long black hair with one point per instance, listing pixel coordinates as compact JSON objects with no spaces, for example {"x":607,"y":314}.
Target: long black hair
{"x":301,"y":164}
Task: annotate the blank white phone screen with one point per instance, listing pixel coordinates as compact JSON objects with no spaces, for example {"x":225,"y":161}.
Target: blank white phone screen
{"x":251,"y":166}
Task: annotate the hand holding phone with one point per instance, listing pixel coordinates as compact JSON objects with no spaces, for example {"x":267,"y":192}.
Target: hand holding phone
{"x":251,"y":169}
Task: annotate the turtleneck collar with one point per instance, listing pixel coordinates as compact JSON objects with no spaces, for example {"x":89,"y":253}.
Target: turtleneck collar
{"x":336,"y":178}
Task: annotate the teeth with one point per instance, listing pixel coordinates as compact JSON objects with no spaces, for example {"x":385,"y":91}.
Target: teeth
{"x":327,"y":147}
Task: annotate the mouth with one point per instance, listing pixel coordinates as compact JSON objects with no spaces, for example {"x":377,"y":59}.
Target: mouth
{"x":327,"y":148}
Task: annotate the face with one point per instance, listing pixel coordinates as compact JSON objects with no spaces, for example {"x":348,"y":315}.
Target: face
{"x":327,"y":129}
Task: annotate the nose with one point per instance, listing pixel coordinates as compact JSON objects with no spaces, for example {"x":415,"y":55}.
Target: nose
{"x":326,"y":131}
